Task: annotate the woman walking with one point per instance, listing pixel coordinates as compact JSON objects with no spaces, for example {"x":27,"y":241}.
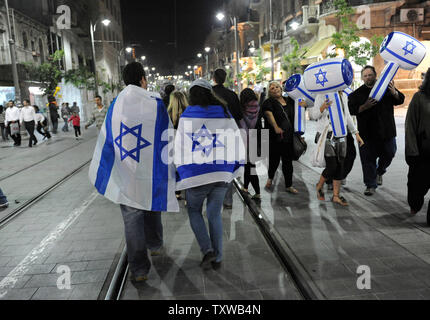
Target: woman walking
{"x":201,"y":140}
{"x":177,"y":104}
{"x":279,"y":114}
{"x":417,"y":147}
{"x":251,"y":120}
{"x":334,"y":148}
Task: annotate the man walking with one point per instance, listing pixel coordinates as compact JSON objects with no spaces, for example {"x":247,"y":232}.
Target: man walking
{"x":377,"y":127}
{"x":234,"y":107}
{"x":12,"y":123}
{"x":65,"y":114}
{"x":28,"y":116}
{"x":128,"y":168}
{"x":53,"y":112}
{"x":74,"y":108}
{"x":98,"y":114}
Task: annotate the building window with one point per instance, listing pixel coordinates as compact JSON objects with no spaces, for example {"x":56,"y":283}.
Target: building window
{"x":24,"y":40}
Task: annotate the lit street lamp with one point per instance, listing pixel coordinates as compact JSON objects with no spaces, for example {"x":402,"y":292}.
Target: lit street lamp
{"x":207,"y":49}
{"x":143,"y":58}
{"x":105,"y":22}
{"x":128,"y":49}
{"x":199,"y":55}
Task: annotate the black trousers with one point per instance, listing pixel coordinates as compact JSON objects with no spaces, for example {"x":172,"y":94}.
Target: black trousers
{"x":334,"y":169}
{"x":54,"y":125}
{"x":40,"y":127}
{"x":29,"y":126}
{"x":77,"y":130}
{"x":16,"y":137}
{"x":278,"y":152}
{"x":3,"y":132}
{"x":253,"y":178}
{"x":351,"y":154}
{"x":418,"y":183}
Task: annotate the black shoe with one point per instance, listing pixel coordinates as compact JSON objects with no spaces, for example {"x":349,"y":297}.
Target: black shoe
{"x":207,"y":259}
{"x":4,"y":205}
{"x":228,"y":206}
{"x":379,"y":180}
{"x":369,"y":191}
{"x":216,"y":265}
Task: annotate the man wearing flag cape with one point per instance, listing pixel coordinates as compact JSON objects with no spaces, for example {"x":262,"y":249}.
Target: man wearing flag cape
{"x":127,"y":167}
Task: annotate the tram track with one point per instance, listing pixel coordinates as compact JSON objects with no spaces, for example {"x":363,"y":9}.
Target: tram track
{"x":286,"y":257}
{"x":42,"y":160}
{"x":27,"y":204}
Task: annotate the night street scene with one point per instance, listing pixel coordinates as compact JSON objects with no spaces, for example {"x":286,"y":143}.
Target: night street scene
{"x":224,"y":154}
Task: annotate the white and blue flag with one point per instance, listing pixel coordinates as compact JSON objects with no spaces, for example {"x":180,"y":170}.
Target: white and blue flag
{"x":127,"y":165}
{"x":208,"y":147}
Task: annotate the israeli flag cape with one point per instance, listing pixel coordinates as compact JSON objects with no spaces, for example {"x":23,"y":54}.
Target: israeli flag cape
{"x":127,"y":165}
{"x":208,"y":147}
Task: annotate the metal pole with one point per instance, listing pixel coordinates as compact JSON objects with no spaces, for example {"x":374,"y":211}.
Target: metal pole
{"x":13,"y":57}
{"x":271,"y":43}
{"x":207,"y":66}
{"x":239,"y":84}
{"x":94,"y":58}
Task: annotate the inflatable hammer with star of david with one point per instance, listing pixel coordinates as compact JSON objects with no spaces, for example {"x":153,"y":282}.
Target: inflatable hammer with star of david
{"x":399,"y":50}
{"x":328,"y":77}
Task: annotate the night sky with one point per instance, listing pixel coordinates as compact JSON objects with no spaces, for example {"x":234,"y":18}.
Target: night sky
{"x":151,"y":24}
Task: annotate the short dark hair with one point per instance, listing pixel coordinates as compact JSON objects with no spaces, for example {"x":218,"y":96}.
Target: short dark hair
{"x":219,"y":76}
{"x":369,"y":67}
{"x":169,"y":89}
{"x":27,"y":100}
{"x":200,"y":96}
{"x":36,"y":107}
{"x":246,"y":96}
{"x":133,"y":73}
{"x":96,"y":97}
{"x":425,"y":86}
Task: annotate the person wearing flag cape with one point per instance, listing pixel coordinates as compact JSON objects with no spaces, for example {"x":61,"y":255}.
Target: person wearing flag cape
{"x":209,"y":154}
{"x":128,"y":167}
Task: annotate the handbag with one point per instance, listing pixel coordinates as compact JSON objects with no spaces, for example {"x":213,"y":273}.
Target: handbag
{"x":299,"y":146}
{"x":14,"y":128}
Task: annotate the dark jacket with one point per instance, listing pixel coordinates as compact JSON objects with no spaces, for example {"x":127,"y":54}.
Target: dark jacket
{"x":376,"y":123}
{"x":232,"y":101}
{"x":53,"y":112}
{"x":279,"y":113}
{"x":417,"y":127}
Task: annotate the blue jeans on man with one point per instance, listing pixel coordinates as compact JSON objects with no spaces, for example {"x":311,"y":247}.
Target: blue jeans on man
{"x":375,"y":157}
{"x":214,"y":193}
{"x":3,"y":199}
{"x":143,"y":231}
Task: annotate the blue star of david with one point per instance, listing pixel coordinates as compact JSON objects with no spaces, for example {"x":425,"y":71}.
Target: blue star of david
{"x":140,"y":142}
{"x":324,"y":78}
{"x":410,"y":51}
{"x":204,"y":133}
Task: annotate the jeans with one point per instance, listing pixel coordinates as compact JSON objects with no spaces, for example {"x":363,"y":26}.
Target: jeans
{"x":228,"y":199}
{"x":143,"y":230}
{"x":214,"y":193}
{"x":3,"y":132}
{"x":66,"y":125}
{"x":3,"y":198}
{"x":369,"y":153}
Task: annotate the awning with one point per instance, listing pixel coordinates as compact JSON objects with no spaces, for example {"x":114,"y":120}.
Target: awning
{"x":315,"y":51}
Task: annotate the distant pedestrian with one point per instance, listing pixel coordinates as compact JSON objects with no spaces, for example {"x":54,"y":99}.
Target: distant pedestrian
{"x":417,"y":147}
{"x":203,"y":177}
{"x":167,"y":91}
{"x":3,"y":200}
{"x":233,"y":106}
{"x":263,"y":96}
{"x":74,"y":108}
{"x":2,"y":124}
{"x":377,"y":128}
{"x":177,"y":105}
{"x":279,"y":114}
{"x":12,"y":123}
{"x":76,"y":121}
{"x":42,"y":123}
{"x":28,"y":117}
{"x":251,"y":120}
{"x":98,"y":114}
{"x":65,"y":114}
{"x":53,"y":113}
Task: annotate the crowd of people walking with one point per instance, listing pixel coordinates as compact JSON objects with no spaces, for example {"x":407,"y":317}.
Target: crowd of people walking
{"x":369,"y":121}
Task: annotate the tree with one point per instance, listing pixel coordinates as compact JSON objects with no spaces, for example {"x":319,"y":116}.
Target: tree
{"x":261,"y":71}
{"x":347,"y":38}
{"x":48,"y":73}
{"x":291,"y":62}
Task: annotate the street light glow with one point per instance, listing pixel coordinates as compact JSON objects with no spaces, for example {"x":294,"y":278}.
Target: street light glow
{"x":189,"y":67}
{"x":195,"y":67}
{"x":153,"y":69}
{"x":199,"y":55}
{"x":128,"y":49}
{"x":106,"y":22}
{"x":220,"y":16}
{"x":146,"y":68}
{"x":207,"y":49}
{"x":143,"y":58}
{"x":294,"y":25}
